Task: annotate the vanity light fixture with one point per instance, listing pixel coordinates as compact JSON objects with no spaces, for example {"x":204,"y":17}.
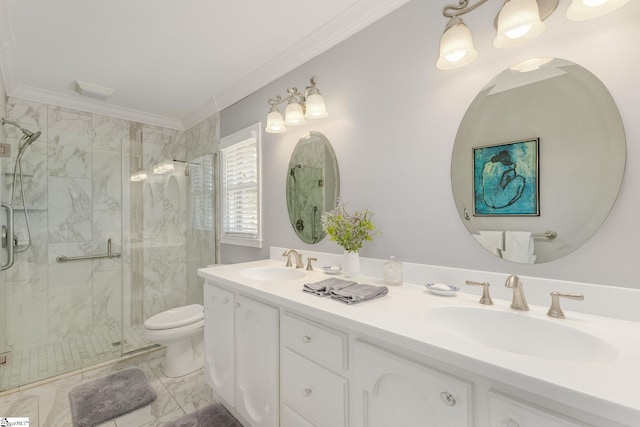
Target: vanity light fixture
{"x":300,"y":107}
{"x":165,"y":166}
{"x":518,"y":22}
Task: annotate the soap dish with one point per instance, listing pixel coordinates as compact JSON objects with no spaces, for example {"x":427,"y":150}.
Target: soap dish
{"x":331,"y":269}
{"x":442,"y":289}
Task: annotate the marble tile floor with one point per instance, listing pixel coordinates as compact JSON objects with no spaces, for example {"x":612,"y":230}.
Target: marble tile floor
{"x":47,"y":361}
{"x":47,"y":404}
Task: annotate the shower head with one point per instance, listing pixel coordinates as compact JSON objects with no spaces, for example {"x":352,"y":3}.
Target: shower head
{"x":26,"y":132}
{"x":26,"y":141}
{"x":27,"y":138}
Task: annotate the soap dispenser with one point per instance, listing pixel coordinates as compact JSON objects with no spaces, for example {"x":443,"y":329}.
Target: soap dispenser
{"x":392,"y":272}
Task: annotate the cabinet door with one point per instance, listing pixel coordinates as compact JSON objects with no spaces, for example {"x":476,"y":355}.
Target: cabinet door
{"x":390,"y":390}
{"x":218,"y":341}
{"x":257,"y":362}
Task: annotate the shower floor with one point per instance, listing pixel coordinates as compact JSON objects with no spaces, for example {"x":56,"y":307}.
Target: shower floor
{"x":38,"y":363}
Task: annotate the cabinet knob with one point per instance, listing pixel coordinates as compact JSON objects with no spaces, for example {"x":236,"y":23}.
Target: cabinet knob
{"x":510,"y":422}
{"x":306,"y":339}
{"x":447,"y":398}
{"x":237,"y":304}
{"x":306,"y":392}
{"x":226,"y":300}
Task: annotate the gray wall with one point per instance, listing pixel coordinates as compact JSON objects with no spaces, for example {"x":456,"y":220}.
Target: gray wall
{"x":393,"y":120}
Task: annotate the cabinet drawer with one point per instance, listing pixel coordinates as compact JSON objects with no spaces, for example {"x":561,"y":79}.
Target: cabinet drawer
{"x":316,"y":393}
{"x":319,"y":343}
{"x":290,"y":418}
{"x":507,"y":412}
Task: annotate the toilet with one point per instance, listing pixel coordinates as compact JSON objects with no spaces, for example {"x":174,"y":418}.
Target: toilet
{"x":181,"y":330}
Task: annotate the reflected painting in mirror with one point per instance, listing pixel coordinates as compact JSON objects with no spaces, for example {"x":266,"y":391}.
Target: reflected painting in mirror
{"x":581,"y":157}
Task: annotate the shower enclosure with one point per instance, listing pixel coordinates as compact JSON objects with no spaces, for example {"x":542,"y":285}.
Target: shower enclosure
{"x":103,"y":244}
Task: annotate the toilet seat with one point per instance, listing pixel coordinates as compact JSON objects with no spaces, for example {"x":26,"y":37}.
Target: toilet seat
{"x":176,"y":317}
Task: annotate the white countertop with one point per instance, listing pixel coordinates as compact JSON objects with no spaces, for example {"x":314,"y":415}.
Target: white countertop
{"x":609,"y":389}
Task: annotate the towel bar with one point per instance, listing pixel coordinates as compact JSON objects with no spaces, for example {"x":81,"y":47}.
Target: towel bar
{"x":109,"y":254}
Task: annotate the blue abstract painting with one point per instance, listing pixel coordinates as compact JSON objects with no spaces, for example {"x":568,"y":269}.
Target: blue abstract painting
{"x":506,"y":179}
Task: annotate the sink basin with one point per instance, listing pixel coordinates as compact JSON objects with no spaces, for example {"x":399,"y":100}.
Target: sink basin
{"x":273,"y":274}
{"x":521,"y":333}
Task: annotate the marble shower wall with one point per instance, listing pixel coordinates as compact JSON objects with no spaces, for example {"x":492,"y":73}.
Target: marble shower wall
{"x":77,"y":199}
{"x":202,"y":143}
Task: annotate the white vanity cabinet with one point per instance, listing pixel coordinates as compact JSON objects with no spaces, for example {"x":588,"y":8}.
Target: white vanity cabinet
{"x":390,"y":390}
{"x":219,"y":341}
{"x":276,"y":356}
{"x":313,"y":394}
{"x":242,"y":357}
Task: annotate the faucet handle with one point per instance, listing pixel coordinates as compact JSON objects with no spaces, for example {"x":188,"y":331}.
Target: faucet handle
{"x":555,"y":310}
{"x":288,"y":255}
{"x":486,"y":298}
{"x":309,"y":266}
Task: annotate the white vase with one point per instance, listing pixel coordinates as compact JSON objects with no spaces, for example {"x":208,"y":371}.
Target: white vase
{"x":351,"y":264}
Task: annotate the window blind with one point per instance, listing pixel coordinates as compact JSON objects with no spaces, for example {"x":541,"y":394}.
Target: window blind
{"x":240,"y":190}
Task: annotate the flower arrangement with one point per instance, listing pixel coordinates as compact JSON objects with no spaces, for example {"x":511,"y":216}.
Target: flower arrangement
{"x":349,"y":230}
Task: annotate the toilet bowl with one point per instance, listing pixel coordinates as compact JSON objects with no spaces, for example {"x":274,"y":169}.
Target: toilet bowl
{"x":181,"y":330}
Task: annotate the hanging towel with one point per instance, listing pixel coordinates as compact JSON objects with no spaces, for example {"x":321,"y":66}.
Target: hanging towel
{"x":519,"y":247}
{"x":356,"y":293}
{"x":324,"y":287}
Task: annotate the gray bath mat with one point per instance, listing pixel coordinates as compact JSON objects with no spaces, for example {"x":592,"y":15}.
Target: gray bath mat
{"x":214,"y":415}
{"x":106,"y":398}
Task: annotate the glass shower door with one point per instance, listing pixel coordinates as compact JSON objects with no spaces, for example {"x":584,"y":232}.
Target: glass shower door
{"x":6,"y":212}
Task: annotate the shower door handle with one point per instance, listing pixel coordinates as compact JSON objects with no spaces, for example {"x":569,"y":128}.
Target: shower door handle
{"x":7,"y":236}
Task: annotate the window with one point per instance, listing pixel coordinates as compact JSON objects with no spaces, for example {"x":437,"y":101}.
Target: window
{"x":240,"y":192}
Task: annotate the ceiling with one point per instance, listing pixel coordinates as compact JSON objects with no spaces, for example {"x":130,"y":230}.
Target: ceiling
{"x":171,"y":63}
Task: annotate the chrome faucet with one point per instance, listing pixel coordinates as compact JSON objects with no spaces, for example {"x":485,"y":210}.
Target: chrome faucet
{"x":519,"y":302}
{"x":298,"y":257}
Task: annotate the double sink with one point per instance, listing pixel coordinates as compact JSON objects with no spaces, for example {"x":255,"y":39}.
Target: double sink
{"x":523,"y":333}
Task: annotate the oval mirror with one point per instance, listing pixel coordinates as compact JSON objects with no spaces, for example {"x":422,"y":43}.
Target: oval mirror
{"x":538,"y":160}
{"x":313,"y":185}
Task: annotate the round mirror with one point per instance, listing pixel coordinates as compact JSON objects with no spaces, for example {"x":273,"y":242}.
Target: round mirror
{"x":313,"y":185}
{"x":538,"y":160}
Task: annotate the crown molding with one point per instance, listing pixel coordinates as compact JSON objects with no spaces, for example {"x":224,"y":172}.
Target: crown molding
{"x":354,"y":19}
{"x":91,"y":106}
{"x":349,"y":22}
{"x":206,"y":110}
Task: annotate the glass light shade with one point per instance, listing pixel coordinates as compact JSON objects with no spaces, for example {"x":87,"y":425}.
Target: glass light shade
{"x":581,"y":10}
{"x":138,"y":176}
{"x":315,"y":108}
{"x":163,"y":167}
{"x":518,"y":22}
{"x":293,"y":115}
{"x":275,"y":123}
{"x":456,"y":47}
{"x":531,"y":64}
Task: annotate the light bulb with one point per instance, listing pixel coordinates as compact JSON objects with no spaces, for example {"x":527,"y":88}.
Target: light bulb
{"x":518,"y":32}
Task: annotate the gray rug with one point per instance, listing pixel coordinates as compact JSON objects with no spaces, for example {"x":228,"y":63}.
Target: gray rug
{"x":101,"y":400}
{"x":214,"y":415}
